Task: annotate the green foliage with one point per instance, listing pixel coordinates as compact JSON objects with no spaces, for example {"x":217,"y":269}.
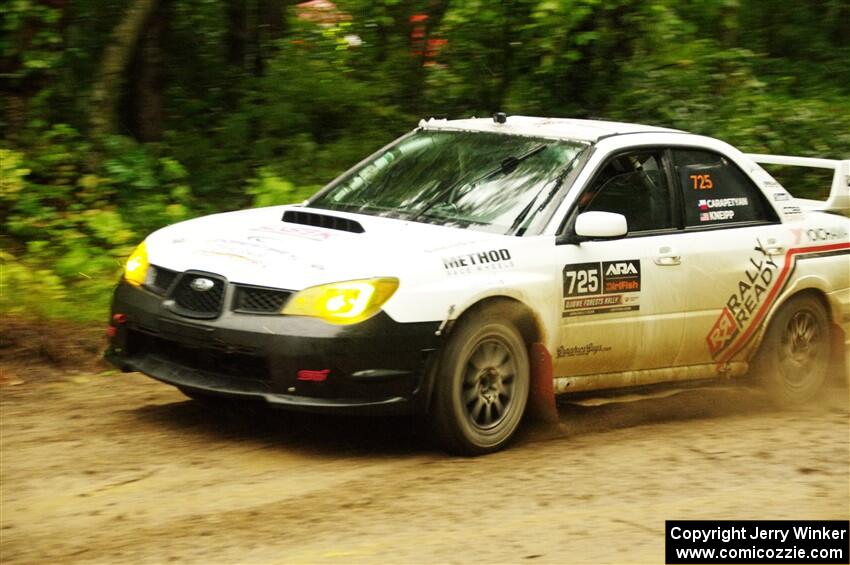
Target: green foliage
{"x":12,"y":175}
{"x":262,"y":108}
{"x":30,"y":39}
{"x":30,"y":287}
{"x":268,"y":189}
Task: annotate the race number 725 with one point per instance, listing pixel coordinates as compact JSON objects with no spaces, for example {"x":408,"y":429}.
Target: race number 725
{"x":582,"y":279}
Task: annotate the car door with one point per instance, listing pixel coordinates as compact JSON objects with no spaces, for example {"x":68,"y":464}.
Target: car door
{"x":733,"y":247}
{"x":623,"y":300}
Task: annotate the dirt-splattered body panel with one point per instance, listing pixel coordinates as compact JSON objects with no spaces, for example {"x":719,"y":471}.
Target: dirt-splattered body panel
{"x":713,"y":246}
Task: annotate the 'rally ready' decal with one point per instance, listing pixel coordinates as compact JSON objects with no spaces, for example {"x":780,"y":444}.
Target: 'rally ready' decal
{"x":757,"y":290}
{"x":600,"y":288}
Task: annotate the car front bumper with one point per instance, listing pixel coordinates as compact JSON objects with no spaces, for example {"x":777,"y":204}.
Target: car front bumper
{"x":294,"y":362}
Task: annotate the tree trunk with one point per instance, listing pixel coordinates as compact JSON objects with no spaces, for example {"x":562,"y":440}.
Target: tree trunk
{"x":116,"y":58}
{"x":237,"y":24}
{"x":505,"y":62}
{"x":269,"y":26}
{"x":145,"y":107}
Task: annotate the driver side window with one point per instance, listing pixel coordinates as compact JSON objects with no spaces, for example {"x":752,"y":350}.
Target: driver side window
{"x":634,"y":185}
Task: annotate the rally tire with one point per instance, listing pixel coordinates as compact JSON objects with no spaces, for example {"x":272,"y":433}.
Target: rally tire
{"x":793,"y":361}
{"x":482,"y":383}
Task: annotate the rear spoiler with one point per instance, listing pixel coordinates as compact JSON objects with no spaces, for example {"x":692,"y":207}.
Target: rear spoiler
{"x":839,"y":194}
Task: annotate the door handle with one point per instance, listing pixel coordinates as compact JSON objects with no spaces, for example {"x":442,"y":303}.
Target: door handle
{"x":667,"y":256}
{"x":668,"y":260}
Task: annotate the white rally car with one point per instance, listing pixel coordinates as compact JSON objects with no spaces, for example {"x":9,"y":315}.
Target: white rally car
{"x":475,"y":267}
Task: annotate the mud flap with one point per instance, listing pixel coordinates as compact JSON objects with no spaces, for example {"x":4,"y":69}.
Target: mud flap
{"x":840,"y":362}
{"x":541,"y":393}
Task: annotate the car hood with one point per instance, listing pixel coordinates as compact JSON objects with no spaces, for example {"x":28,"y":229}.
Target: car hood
{"x":256,"y":247}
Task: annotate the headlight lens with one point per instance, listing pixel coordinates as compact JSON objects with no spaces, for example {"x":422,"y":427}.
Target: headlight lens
{"x":346,"y":302}
{"x":136,"y":267}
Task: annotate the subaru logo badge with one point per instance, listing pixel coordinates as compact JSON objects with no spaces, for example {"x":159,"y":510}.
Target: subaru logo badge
{"x":201,"y":284}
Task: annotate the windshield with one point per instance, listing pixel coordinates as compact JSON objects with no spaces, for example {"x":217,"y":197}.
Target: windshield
{"x":484,"y":181}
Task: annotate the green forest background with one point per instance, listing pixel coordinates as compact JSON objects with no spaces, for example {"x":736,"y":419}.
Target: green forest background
{"x":121,"y":116}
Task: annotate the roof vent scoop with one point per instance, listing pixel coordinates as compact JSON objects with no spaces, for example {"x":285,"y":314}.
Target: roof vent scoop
{"x":322,"y":221}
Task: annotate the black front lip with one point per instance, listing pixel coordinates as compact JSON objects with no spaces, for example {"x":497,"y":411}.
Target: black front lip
{"x":218,"y":385}
{"x":377,"y":366}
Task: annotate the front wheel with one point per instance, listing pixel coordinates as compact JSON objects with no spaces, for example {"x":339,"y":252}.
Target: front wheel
{"x":482,"y":385}
{"x":794,"y":357}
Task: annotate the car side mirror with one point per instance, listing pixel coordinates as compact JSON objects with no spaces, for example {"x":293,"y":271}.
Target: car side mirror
{"x":601,"y":225}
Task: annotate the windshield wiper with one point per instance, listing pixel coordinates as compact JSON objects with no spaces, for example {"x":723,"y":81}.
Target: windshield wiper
{"x":507,"y":166}
{"x":555,"y":188}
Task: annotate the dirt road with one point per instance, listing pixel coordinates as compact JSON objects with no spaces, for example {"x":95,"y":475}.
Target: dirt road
{"x":118,"y":468}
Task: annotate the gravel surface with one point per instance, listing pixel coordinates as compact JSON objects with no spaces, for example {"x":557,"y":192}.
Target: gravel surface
{"x":116,"y":468}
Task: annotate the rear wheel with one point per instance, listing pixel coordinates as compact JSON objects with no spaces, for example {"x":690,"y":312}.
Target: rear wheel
{"x":793,"y":361}
{"x":482,"y":385}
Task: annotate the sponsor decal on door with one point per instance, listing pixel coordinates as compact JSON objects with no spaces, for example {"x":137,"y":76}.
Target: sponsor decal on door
{"x":600,"y":288}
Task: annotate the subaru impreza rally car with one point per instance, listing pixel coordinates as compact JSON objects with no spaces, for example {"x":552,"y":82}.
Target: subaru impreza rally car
{"x":475,"y":267}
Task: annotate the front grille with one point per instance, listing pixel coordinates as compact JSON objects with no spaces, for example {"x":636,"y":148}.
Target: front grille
{"x":160,"y":279}
{"x":194,"y":301}
{"x":256,"y":300}
{"x":239,"y":365}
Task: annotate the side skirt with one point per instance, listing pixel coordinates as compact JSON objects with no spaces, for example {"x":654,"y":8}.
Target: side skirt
{"x":629,"y":379}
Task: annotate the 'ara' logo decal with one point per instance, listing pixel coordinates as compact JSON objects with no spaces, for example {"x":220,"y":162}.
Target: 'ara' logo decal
{"x":621,"y":276}
{"x":621,"y":268}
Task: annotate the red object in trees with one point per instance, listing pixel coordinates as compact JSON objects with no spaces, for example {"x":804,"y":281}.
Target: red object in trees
{"x":419,"y":45}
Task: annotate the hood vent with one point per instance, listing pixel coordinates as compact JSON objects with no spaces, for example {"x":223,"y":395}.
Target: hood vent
{"x":322,"y":221}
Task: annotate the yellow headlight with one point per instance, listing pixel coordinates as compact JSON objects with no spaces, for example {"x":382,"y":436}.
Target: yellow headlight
{"x":346,"y":302}
{"x":136,"y":267}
